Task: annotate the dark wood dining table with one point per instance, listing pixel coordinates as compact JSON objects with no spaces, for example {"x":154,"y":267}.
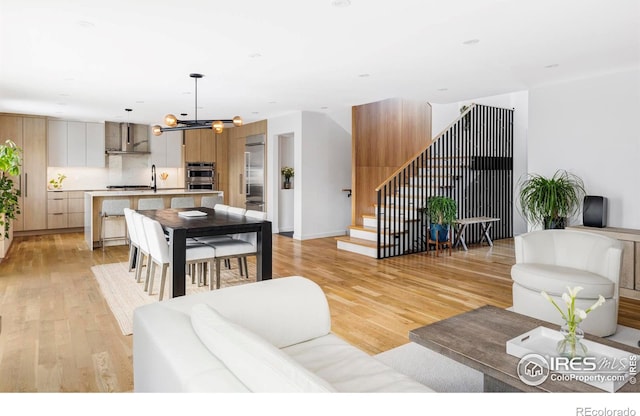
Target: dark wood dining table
{"x":180,"y":228}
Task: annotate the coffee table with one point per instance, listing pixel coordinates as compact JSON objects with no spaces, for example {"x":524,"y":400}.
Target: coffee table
{"x":478,"y":340}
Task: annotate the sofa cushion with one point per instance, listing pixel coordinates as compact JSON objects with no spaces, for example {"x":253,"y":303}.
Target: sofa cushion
{"x":349,"y":369}
{"x":259,"y":365}
{"x":555,"y":279}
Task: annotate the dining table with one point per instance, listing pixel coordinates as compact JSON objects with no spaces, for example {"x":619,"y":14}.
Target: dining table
{"x":181,"y":224}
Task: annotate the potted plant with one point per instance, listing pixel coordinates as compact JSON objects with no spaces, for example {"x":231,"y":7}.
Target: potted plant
{"x":442,"y":212}
{"x":287,"y":172}
{"x":10,"y":163}
{"x":550,"y":201}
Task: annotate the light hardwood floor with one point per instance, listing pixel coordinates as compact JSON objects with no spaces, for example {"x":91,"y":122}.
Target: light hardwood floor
{"x":58,"y":334}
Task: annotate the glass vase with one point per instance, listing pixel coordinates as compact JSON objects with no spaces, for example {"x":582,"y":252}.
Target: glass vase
{"x":571,"y":345}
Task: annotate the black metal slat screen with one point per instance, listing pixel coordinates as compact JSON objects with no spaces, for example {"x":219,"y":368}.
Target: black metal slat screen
{"x":471,"y":162}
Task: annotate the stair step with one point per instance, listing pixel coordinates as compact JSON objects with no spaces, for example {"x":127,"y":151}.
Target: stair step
{"x":359,"y":246}
{"x":370,"y":234}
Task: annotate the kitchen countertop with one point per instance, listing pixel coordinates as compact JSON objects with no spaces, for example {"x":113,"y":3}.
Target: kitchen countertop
{"x":150,"y":192}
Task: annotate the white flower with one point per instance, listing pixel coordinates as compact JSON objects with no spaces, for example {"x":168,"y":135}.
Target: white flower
{"x":582,"y":314}
{"x":598,"y":303}
{"x":567,"y":299}
{"x":574,"y":292}
{"x":546,"y":296}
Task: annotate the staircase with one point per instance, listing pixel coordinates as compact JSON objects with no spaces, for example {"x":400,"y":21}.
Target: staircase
{"x":470,"y":161}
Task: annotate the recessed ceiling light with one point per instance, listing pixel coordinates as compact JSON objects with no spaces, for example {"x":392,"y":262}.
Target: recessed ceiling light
{"x":255,"y":112}
{"x":443,"y":89}
{"x":69,"y":79}
{"x":471,"y":42}
{"x":62,"y":103}
{"x":364,"y":76}
{"x":63,"y":95}
{"x":139,"y":102}
{"x":341,"y":3}
{"x":273,"y":102}
{"x":255,"y":55}
{"x":323,"y":108}
{"x":186,"y":92}
{"x":552,"y":66}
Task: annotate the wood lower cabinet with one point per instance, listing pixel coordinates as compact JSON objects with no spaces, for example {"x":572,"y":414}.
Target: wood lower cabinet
{"x":65,"y":209}
{"x":630,"y":273}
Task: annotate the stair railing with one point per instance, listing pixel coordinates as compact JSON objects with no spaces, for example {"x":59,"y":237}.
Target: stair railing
{"x":470,"y":161}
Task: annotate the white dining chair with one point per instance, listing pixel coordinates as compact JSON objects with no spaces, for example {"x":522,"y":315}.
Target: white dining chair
{"x":143,"y":247}
{"x":236,"y":210}
{"x":240,"y":248}
{"x":160,"y":256}
{"x":183,"y":202}
{"x":134,"y":245}
{"x":150,"y":203}
{"x":221,"y":207}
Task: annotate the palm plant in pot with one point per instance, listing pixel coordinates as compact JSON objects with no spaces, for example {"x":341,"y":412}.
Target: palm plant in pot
{"x":550,"y":201}
{"x":442,"y":212}
{"x":10,"y":162}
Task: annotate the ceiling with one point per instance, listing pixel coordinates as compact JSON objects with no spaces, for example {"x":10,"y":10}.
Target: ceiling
{"x":89,"y":60}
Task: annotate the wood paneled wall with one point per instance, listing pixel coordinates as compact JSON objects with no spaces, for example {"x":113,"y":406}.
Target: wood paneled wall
{"x":385,"y":135}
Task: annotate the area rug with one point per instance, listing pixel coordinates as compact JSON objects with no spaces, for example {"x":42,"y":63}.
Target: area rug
{"x":446,"y":375}
{"x":123,"y":294}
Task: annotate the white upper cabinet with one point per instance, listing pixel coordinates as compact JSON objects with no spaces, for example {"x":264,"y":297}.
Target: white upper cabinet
{"x":166,"y":149}
{"x":57,"y":142}
{"x":74,"y":143}
{"x":95,"y":145}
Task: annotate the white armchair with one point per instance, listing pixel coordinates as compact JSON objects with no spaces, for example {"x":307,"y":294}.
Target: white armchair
{"x":552,"y":260}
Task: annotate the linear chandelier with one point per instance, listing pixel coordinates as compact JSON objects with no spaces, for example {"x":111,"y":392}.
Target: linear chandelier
{"x":173,"y":123}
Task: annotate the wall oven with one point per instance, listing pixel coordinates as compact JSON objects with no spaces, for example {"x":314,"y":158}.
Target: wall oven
{"x":200,"y":176}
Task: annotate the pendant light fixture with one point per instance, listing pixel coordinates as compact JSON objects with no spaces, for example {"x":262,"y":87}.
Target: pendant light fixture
{"x":173,"y":123}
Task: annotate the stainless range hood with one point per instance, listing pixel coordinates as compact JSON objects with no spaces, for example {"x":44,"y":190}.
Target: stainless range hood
{"x":126,"y":138}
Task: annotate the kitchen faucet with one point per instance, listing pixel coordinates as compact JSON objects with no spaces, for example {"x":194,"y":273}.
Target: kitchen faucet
{"x":153,"y":178}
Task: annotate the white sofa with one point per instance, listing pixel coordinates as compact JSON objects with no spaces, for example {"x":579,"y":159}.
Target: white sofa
{"x":552,"y":260}
{"x":270,"y":336}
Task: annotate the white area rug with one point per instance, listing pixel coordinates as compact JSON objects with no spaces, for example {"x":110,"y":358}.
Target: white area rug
{"x":446,"y":375}
{"x":123,"y":294}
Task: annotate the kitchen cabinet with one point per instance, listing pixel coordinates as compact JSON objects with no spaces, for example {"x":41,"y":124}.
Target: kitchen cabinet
{"x":166,"y":149}
{"x":57,"y":142}
{"x":95,"y":138}
{"x":75,"y":143}
{"x":200,"y":145}
{"x":29,"y":133}
{"x":65,"y":209}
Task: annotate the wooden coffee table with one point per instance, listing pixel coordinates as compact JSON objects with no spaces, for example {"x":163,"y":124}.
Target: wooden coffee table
{"x":478,"y":340}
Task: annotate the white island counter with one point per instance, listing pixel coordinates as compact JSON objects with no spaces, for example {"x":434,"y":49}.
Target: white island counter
{"x":93,"y":203}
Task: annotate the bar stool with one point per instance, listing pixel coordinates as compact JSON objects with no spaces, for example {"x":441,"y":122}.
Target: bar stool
{"x":150,"y":203}
{"x":210,"y":201}
{"x":112,"y":209}
{"x":183,"y":202}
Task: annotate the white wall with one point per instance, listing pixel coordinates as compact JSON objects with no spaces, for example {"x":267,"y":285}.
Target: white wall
{"x":326,"y":170}
{"x":444,"y":114}
{"x":322,"y":151}
{"x":290,"y":124}
{"x":590,"y":127}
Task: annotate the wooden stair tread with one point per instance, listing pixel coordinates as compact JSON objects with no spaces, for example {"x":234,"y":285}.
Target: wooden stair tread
{"x":372,"y":230}
{"x":360,"y":242}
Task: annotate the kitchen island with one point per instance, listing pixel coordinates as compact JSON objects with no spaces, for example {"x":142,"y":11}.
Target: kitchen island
{"x":93,"y":203}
